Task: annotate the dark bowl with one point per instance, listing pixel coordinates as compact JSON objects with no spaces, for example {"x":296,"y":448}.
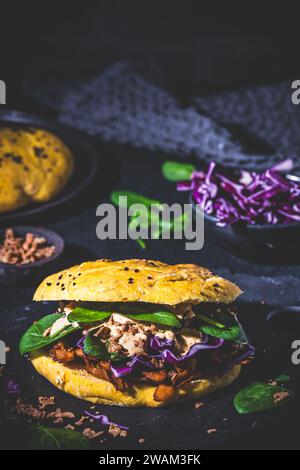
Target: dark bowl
{"x":13,"y":274}
{"x":262,"y":243}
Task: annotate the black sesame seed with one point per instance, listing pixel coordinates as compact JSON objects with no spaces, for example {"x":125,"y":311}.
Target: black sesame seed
{"x":38,"y":151}
{"x":126,"y":269}
{"x":136,"y":270}
{"x":49,"y":284}
{"x":60,"y":277}
{"x":57,"y":283}
{"x":130,"y":280}
{"x":17,"y":159}
{"x":74,"y":283}
{"x":149,"y":277}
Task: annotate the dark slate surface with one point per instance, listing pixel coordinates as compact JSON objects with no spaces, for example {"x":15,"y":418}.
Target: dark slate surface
{"x":123,"y":168}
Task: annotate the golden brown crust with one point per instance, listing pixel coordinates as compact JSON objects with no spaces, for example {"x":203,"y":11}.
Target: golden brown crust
{"x":78,"y":382}
{"x":34,"y":166}
{"x":137,"y":280}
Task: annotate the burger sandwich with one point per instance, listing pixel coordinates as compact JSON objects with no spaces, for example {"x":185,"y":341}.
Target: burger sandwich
{"x":138,"y":333}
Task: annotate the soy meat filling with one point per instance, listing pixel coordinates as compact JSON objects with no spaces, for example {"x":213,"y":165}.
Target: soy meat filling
{"x":124,"y":339}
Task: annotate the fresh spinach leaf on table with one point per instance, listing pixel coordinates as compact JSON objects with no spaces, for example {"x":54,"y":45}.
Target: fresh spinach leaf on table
{"x":260,"y":397}
{"x":44,"y":437}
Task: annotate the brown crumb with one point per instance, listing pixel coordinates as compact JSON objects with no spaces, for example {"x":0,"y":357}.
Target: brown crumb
{"x":81,"y":421}
{"x":141,"y":440}
{"x":198,"y":405}
{"x":1,"y":370}
{"x":58,"y":421}
{"x":211,"y":431}
{"x":29,"y":410}
{"x":69,"y":426}
{"x":58,"y":414}
{"x":46,"y":401}
{"x":91,"y":434}
{"x":280,"y":396}
{"x":7,"y":349}
{"x":115,"y":431}
{"x":18,"y":250}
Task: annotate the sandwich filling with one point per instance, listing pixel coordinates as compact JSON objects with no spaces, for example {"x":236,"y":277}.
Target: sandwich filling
{"x":143,"y":343}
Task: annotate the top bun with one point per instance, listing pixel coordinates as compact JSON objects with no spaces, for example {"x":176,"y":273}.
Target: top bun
{"x":137,"y":280}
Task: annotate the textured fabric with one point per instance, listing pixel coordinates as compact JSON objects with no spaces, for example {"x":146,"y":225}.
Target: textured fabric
{"x":129,"y":105}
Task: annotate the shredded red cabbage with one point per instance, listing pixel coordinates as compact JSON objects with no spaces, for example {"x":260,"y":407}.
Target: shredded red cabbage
{"x":266,"y":198}
{"x":105,"y":421}
{"x":129,"y":367}
{"x":162,"y":346}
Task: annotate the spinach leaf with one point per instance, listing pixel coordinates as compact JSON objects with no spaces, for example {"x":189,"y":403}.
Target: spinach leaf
{"x":222,"y":323}
{"x":94,"y":347}
{"x":33,"y":338}
{"x":161,"y":318}
{"x":133,"y":198}
{"x":176,"y":171}
{"x":260,"y":397}
{"x":283,"y":378}
{"x":86,"y":315}
{"x":45,"y":437}
{"x":230,"y":334}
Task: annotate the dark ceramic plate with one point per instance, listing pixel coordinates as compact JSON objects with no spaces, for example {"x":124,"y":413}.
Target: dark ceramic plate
{"x":265,"y":243}
{"x":85,"y":156}
{"x":181,"y":427}
{"x":14,"y":274}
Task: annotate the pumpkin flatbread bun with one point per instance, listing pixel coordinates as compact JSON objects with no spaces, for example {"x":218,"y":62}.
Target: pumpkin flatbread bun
{"x":137,"y":280}
{"x":78,"y":382}
{"x":34,"y":167}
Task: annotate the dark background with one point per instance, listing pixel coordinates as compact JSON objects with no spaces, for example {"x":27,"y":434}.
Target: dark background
{"x":201,"y":47}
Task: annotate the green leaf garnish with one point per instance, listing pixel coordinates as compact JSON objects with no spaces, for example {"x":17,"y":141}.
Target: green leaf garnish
{"x":33,"y":338}
{"x":176,"y":171}
{"x":283,"y":378}
{"x":260,"y":397}
{"x":86,"y":315}
{"x":94,"y":347}
{"x":161,"y":318}
{"x":132,"y":198}
{"x":222,"y":323}
{"x":134,"y":312}
{"x":210,"y":321}
{"x":45,"y":437}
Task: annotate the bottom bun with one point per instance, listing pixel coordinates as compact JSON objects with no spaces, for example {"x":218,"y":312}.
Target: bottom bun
{"x":76,"y":381}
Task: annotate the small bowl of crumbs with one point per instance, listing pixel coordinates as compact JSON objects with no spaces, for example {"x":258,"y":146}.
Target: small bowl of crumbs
{"x":27,"y":253}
